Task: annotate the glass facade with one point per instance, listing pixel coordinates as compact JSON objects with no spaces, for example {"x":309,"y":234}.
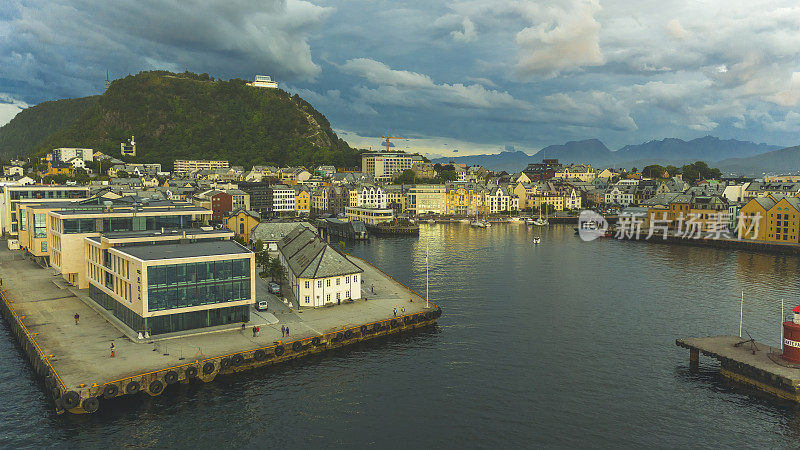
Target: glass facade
{"x":182,"y":285}
{"x":172,"y":322}
{"x":39,"y":225}
{"x":126,"y":223}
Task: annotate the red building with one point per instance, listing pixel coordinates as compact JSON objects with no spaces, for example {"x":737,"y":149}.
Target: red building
{"x":221,"y":204}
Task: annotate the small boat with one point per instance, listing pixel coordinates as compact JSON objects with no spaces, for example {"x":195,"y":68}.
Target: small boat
{"x":537,"y":240}
{"x":429,"y":221}
{"x":541,"y":222}
{"x":479,"y":224}
{"x":529,"y":221}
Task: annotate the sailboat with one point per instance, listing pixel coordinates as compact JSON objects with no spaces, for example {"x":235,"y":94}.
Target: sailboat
{"x":479,"y":223}
{"x":541,"y":222}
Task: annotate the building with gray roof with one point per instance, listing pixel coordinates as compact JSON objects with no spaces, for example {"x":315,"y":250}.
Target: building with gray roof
{"x":318,"y":274}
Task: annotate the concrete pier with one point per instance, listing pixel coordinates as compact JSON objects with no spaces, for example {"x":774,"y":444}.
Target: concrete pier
{"x":75,"y":360}
{"x":748,"y":362}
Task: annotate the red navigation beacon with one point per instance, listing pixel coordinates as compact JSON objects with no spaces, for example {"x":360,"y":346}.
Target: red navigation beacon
{"x":791,"y":338}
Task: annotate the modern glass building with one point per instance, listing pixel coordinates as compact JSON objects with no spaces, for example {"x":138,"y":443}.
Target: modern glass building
{"x":163,"y":283}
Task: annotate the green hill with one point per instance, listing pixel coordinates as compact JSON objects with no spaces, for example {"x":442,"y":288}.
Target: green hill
{"x":26,"y":131}
{"x":183,"y":116}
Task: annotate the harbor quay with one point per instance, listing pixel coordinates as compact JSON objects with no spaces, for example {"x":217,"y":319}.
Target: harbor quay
{"x":69,"y":339}
{"x":748,"y":362}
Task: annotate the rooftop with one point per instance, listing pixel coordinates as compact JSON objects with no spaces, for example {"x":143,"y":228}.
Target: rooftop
{"x":187,"y":250}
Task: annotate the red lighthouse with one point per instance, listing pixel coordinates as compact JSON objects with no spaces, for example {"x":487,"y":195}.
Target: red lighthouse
{"x":791,"y":338}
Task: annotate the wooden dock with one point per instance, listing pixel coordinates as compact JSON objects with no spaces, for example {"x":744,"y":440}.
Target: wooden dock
{"x":748,"y":362}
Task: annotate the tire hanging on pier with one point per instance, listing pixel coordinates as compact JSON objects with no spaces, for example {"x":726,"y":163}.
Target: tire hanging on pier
{"x":260,"y":355}
{"x":279,"y":350}
{"x":297,"y":346}
{"x":393,"y":323}
{"x":208,"y":368}
{"x":225,"y":363}
{"x":191,"y":372}
{"x":133,"y":387}
{"x":237,"y":360}
{"x":339,"y":337}
{"x":363,"y":329}
{"x":156,"y":386}
{"x":71,"y":400}
{"x":316,"y":341}
{"x":110,"y":391}
{"x":407,"y":320}
{"x":348,"y":334}
{"x":91,"y":404}
{"x":171,"y":377}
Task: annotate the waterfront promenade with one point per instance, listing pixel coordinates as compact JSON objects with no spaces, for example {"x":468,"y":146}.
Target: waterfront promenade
{"x":81,"y":356}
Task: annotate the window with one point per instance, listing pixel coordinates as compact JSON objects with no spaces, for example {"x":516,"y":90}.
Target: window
{"x":308,"y":283}
{"x":338,"y":295}
{"x":328,"y":297}
{"x":307,"y":299}
{"x":328,"y":282}
{"x":44,"y":246}
{"x":319,"y":283}
{"x":338,"y":281}
{"x":347,"y":280}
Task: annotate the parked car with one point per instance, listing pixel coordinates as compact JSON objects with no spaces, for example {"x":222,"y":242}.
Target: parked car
{"x":274,"y":287}
{"x":262,"y":305}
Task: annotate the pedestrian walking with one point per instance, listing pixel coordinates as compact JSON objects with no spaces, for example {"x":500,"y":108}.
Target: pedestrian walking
{"x":112,"y":349}
{"x":402,"y":309}
{"x":77,"y":318}
{"x":1,"y":281}
{"x":287,"y":331}
{"x":283,"y":330}
{"x":254,"y":331}
{"x":395,"y":312}
{"x":372,"y":288}
{"x":258,"y":331}
{"x":411,"y":299}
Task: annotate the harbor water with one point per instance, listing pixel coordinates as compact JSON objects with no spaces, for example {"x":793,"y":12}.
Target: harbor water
{"x":561,"y":344}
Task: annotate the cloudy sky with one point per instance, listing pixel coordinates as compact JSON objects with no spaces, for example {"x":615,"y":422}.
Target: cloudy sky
{"x":477,"y":76}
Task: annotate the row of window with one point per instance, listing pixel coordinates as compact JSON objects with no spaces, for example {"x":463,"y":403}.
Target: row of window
{"x":338,"y":281}
{"x":328,"y":297}
{"x":196,"y":295}
{"x":199,"y":272}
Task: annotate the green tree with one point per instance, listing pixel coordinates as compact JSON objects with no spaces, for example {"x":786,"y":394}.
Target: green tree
{"x":447,"y":175}
{"x":672,"y":170}
{"x":408,"y":176}
{"x":262,"y":257}
{"x":275,"y":269}
{"x":654,"y":171}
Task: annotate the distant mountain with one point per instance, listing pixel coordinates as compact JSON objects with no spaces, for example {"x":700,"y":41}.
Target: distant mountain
{"x":708,"y":148}
{"x":589,"y":150}
{"x":508,"y":161}
{"x":785,"y":160}
{"x":593,"y":151}
{"x":183,"y":116}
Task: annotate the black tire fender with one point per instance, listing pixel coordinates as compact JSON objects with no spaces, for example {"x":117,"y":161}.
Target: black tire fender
{"x":393,"y":323}
{"x":339,"y":337}
{"x":190,"y":372}
{"x":279,"y":350}
{"x":71,"y":400}
{"x":133,"y":387}
{"x":363,"y":329}
{"x":110,"y":391}
{"x":156,"y":386}
{"x":407,"y":320}
{"x":237,"y":360}
{"x":91,"y":404}
{"x":225,"y":363}
{"x":297,"y":346}
{"x":260,"y":355}
{"x":208,"y":368}
{"x":316,"y":341}
{"x":171,"y":377}
{"x":348,"y":334}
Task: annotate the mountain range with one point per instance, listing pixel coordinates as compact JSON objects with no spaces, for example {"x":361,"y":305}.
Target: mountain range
{"x":182,"y":116}
{"x":593,"y":151}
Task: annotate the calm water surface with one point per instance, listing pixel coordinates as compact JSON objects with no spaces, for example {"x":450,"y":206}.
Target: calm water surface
{"x":562,"y":344}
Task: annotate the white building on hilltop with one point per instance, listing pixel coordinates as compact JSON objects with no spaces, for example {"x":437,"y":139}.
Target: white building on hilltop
{"x":264,"y":81}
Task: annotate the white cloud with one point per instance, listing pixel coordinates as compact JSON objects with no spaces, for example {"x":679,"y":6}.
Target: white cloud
{"x":412,"y":89}
{"x":565,"y":38}
{"x":468,"y":34}
{"x":676,"y":30}
{"x":9,"y":107}
{"x":592,"y":109}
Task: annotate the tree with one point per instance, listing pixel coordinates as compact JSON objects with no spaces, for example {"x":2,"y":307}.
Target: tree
{"x":447,"y":175}
{"x":672,"y":170}
{"x":275,"y":269}
{"x":654,"y":171}
{"x":262,"y":257}
{"x":408,"y":176}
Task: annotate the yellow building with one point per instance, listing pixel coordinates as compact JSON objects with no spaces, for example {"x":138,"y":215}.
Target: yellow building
{"x":783,"y":220}
{"x":755,"y":209}
{"x":302,"y":201}
{"x":58,"y":168}
{"x":242,"y":222}
{"x":462,"y":198}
